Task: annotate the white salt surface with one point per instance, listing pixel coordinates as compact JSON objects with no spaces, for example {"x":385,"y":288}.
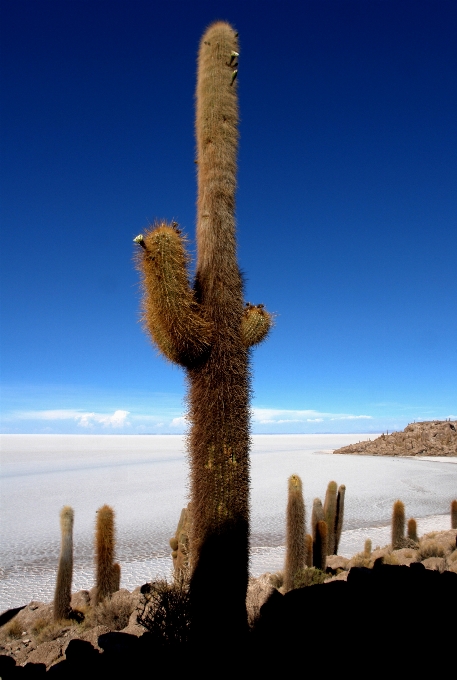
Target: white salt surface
{"x":145,"y":479}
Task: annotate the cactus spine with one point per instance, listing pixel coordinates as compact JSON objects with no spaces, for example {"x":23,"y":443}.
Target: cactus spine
{"x":398,"y":524}
{"x":208,"y":331}
{"x":108,"y":574}
{"x":62,"y":596}
{"x":454,"y":514}
{"x":330,"y":507}
{"x":295,"y":538}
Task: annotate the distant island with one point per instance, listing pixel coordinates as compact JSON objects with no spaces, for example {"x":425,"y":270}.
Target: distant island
{"x":428,"y":438}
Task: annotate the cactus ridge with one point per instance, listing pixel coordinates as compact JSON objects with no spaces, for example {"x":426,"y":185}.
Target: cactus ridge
{"x":255,"y":324}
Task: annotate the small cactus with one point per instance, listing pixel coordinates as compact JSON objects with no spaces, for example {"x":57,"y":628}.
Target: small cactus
{"x":107,"y":573}
{"x":367,"y":548}
{"x":398,"y":524}
{"x":62,"y":596}
{"x":295,"y":539}
{"x":412,"y":529}
{"x":454,"y":515}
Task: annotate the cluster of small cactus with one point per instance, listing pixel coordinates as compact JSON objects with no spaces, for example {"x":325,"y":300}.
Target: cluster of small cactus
{"x":108,"y":573}
{"x":326,"y":538}
{"x":311,"y":550}
{"x":399,"y":540}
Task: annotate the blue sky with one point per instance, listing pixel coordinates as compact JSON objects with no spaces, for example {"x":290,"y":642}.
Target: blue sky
{"x":346,"y":207}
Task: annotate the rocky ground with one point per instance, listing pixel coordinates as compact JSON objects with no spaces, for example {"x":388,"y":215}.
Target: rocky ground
{"x":429,"y":438}
{"x":31,"y":636}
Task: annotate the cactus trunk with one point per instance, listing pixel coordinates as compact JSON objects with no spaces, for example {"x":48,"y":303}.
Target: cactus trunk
{"x":208,"y":331}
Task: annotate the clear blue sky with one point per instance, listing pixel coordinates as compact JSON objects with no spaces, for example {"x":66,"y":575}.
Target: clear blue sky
{"x":346,"y":207}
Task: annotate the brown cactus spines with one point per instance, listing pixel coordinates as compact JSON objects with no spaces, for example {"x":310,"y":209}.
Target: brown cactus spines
{"x":209,"y":332}
{"x":62,"y":595}
{"x":412,"y":529}
{"x":295,"y":533}
{"x":309,"y":550}
{"x":398,"y":524}
{"x":104,"y":553}
{"x":454,"y":515}
{"x":320,"y":551}
{"x":339,"y":516}
{"x":330,"y":504}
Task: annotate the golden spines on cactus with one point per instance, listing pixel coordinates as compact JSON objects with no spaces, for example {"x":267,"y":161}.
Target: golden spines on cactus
{"x":295,"y":532}
{"x":170,"y":312}
{"x":255,"y":324}
{"x":62,"y":595}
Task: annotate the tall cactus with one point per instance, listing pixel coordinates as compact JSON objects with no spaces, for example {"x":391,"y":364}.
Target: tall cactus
{"x":108,"y":573}
{"x":62,"y":596}
{"x":330,"y":507}
{"x":339,"y":516}
{"x":207,"y":330}
{"x":398,"y":525}
{"x":295,"y":538}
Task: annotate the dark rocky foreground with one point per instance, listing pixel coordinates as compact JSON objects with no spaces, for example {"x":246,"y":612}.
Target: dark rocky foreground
{"x":388,"y":616}
{"x":428,"y":438}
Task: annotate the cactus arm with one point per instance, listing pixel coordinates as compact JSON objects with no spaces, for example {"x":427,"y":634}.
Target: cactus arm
{"x":255,"y":324}
{"x":170,"y":313}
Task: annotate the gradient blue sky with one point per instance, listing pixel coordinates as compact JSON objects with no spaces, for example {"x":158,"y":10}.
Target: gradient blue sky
{"x":346,"y":207}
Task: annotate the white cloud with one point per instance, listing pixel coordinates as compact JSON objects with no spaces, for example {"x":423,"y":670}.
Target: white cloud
{"x":352,"y":418}
{"x":264,"y":416}
{"x":179,"y":422}
{"x":83,"y":418}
